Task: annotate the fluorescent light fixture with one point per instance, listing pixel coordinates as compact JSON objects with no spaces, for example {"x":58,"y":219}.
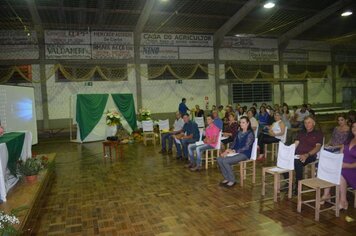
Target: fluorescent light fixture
{"x":346,"y":13}
{"x":164,"y":0}
{"x":269,"y":5}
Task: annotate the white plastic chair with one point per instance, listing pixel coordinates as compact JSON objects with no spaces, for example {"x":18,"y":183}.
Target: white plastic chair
{"x":275,"y":145}
{"x":162,"y":125}
{"x":200,"y":122}
{"x":285,"y":164}
{"x":328,"y":176}
{"x":148,"y":134}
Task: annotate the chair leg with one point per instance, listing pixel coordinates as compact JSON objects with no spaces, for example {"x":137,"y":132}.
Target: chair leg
{"x":299,"y":206}
{"x":337,"y":200}
{"x":275,"y":187}
{"x":312,"y":170}
{"x":290,"y":184}
{"x":265,"y":152}
{"x":317,"y":204}
{"x":104,"y":151}
{"x":242,"y":176}
{"x":254,"y":172}
{"x":272,"y":152}
{"x":206,"y":159}
{"x":263,"y":181}
{"x":354,"y":198}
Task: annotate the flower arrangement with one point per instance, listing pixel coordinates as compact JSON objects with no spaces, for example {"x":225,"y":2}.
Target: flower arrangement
{"x":6,"y":223}
{"x":144,"y":114}
{"x":113,"y":118}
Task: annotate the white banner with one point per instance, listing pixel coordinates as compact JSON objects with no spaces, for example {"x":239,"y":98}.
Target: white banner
{"x":111,"y":37}
{"x":18,"y":37}
{"x":244,"y":42}
{"x":68,"y":51}
{"x":112,"y":51}
{"x":67,"y":37}
{"x":257,"y":54}
{"x":18,"y":52}
{"x":296,"y":56}
{"x":156,"y":52}
{"x":177,"y":39}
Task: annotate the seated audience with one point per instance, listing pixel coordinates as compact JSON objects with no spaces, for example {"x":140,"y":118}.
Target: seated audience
{"x":308,"y":144}
{"x":230,"y":129}
{"x":339,"y":134}
{"x":263,"y":117}
{"x":217,"y":121}
{"x":240,"y":150}
{"x":286,"y":115}
{"x":251,"y":116}
{"x":271,"y":134}
{"x":348,"y":172}
{"x":228,"y":110}
{"x":177,"y":127}
{"x":221,"y":112}
{"x":351,"y":117}
{"x":198,"y":112}
{"x":210,"y":141}
{"x":189,"y":134}
{"x":299,"y":116}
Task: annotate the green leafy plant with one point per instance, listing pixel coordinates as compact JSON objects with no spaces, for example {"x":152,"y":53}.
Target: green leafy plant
{"x":30,"y":167}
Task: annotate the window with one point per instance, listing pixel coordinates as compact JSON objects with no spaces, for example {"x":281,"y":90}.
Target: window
{"x":111,"y":73}
{"x":16,"y":78}
{"x":179,"y":70}
{"x":255,"y":92}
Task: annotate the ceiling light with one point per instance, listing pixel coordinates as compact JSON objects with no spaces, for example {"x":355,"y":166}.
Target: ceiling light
{"x":346,"y":13}
{"x":164,"y":0}
{"x":269,"y":5}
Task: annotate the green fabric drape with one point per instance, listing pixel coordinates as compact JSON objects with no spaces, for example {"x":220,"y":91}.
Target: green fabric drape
{"x":90,"y":109}
{"x":14,"y":143}
{"x":126,"y":105}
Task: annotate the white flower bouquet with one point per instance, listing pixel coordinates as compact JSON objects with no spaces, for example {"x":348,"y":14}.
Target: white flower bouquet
{"x":145,"y":114}
{"x":7,"y":222}
{"x":113,"y":118}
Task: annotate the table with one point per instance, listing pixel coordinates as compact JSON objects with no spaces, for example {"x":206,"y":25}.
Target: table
{"x":10,"y":146}
{"x":112,"y":144}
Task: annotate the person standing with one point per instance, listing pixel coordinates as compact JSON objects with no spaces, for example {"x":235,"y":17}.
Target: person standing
{"x":182,"y":108}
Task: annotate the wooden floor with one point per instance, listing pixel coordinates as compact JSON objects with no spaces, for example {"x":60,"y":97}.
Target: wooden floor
{"x":147,"y":194}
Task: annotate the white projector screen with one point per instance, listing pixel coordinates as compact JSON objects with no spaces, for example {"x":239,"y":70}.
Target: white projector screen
{"x":17,"y":109}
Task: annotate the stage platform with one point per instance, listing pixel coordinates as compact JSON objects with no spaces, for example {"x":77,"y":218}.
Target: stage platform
{"x":28,"y":196}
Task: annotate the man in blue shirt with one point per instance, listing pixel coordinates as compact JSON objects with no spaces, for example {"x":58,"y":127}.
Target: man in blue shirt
{"x":189,"y":134}
{"x":217,"y":121}
{"x":182,"y":107}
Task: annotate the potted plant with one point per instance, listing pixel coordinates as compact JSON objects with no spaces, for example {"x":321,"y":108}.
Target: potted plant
{"x":30,"y":169}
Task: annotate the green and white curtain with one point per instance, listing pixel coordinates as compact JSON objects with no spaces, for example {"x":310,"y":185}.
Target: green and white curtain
{"x":90,"y":112}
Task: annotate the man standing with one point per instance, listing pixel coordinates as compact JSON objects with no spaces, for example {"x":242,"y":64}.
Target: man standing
{"x":308,"y":144}
{"x":183,"y":109}
{"x":177,"y":127}
{"x":189,"y":134}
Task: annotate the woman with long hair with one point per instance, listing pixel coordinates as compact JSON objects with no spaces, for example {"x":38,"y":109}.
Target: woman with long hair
{"x":348,"y":172}
{"x":240,"y":151}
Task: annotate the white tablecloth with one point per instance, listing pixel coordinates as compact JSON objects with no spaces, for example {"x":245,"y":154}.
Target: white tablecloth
{"x":7,"y":181}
